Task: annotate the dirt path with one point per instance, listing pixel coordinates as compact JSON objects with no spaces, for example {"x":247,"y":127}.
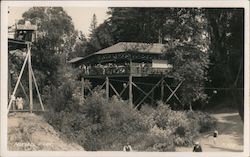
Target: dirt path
{"x":230,"y":139}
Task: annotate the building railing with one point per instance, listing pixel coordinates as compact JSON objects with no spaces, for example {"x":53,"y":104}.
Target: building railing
{"x":123,"y":70}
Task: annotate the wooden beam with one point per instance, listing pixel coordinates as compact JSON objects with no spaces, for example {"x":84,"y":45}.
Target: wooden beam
{"x":107,"y":88}
{"x":162,"y":90}
{"x":18,"y":81}
{"x":37,"y":90}
{"x":123,"y":90}
{"x":117,"y":94}
{"x":139,"y":88}
{"x":149,"y":92}
{"x":9,"y":84}
{"x":173,"y":92}
{"x":91,"y":92}
{"x":82,"y":90}
{"x":30,"y":78}
{"x":130,"y":96}
{"x":26,"y":95}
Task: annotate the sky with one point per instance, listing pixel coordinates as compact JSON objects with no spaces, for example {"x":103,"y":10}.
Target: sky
{"x":81,"y":16}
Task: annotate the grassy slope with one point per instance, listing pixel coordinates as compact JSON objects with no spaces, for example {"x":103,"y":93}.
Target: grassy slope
{"x":27,"y":131}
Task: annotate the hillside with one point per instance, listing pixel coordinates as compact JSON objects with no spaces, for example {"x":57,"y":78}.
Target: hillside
{"x":30,"y":132}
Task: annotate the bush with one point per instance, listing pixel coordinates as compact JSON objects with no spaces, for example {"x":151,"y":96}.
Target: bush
{"x":110,"y":122}
{"x":98,"y":124}
{"x":203,"y":121}
{"x":183,"y":126}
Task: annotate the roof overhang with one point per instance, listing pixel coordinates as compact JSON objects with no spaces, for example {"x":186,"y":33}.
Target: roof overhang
{"x":123,"y":51}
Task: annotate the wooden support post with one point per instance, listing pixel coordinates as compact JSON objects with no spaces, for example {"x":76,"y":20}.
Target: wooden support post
{"x":130,"y":96}
{"x":139,"y":88}
{"x":102,"y":85}
{"x":18,"y":81}
{"x":162,"y":90}
{"x":116,"y":93}
{"x":130,"y":91}
{"x":173,"y":92}
{"x":149,"y":93}
{"x":9,"y":84}
{"x":107,"y":88}
{"x":37,"y":90}
{"x":83,"y":87}
{"x":123,"y":90}
{"x":30,"y":77}
{"x":23,"y":89}
{"x":91,"y":92}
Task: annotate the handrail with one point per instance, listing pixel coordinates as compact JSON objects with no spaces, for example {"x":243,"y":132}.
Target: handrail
{"x":123,"y":70}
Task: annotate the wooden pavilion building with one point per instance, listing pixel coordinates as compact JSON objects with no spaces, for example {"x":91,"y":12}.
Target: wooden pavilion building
{"x":136,"y":72}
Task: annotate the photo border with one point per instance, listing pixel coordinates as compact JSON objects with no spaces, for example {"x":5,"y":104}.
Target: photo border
{"x":187,"y":4}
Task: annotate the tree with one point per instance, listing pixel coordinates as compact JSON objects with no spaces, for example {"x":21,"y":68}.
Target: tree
{"x":226,"y":28}
{"x":93,"y":24}
{"x":55,"y":29}
{"x":137,"y":24}
{"x":80,"y":47}
{"x":100,"y":37}
{"x":187,"y":50}
{"x":184,"y":33}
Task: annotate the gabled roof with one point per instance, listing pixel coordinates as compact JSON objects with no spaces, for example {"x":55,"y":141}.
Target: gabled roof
{"x":122,"y":47}
{"x":133,"y":47}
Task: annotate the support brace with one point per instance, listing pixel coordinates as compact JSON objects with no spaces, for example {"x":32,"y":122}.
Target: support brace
{"x":173,"y":92}
{"x":149,"y":92}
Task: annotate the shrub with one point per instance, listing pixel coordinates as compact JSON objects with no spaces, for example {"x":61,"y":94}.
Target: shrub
{"x":98,"y":124}
{"x":183,"y":126}
{"x":204,"y":122}
{"x":110,"y":122}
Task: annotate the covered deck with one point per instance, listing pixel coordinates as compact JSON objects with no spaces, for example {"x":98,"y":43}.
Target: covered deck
{"x":124,"y":59}
{"x":126,"y":69}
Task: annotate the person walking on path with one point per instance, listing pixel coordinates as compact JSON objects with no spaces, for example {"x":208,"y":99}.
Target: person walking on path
{"x":197,"y":147}
{"x":127,"y":148}
{"x":215,"y":135}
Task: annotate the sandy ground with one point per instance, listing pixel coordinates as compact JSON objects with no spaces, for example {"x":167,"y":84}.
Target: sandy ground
{"x":230,"y":139}
{"x":29,"y":132}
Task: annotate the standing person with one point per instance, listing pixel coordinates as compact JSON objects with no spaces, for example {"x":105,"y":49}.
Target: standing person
{"x":215,"y":135}
{"x":127,"y":148}
{"x":197,"y":147}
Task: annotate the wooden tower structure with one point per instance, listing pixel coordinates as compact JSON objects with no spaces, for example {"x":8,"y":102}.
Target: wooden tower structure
{"x":24,"y":35}
{"x":136,"y":72}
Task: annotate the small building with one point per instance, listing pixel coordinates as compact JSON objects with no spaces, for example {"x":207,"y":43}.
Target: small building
{"x":134,"y":71}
